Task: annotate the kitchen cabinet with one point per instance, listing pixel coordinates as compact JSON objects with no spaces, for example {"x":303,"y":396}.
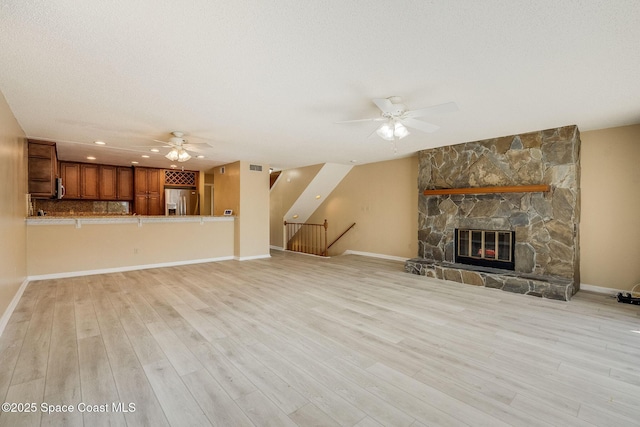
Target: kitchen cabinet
{"x":80,"y":180}
{"x":125,"y":183}
{"x":108,"y":182}
{"x":148,"y":197}
{"x":89,"y":188}
{"x":43,"y":169}
{"x":70,"y":174}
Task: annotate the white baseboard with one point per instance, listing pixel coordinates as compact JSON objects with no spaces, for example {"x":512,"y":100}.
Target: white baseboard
{"x":276,"y":248}
{"x":12,"y":306}
{"x":248,"y":258}
{"x":599,"y":289}
{"x":127,"y":268}
{"x":373,"y":255}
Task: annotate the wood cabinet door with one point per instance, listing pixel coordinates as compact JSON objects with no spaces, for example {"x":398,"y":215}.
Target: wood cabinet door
{"x":70,"y":174}
{"x":153,"y":181}
{"x":42,"y":170}
{"x":125,"y":183}
{"x":140,"y":181}
{"x":89,"y":181}
{"x":141,"y":205}
{"x":108,"y":183}
{"x":147,"y":183}
{"x":154,"y":204}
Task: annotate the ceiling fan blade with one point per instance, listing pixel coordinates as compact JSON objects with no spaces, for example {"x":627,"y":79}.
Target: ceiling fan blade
{"x":420,"y":125}
{"x":384,"y":104}
{"x":190,"y":147}
{"x":377,"y":119}
{"x":448,"y":107}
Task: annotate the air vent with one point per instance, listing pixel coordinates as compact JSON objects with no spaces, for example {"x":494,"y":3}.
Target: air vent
{"x":257,"y":168}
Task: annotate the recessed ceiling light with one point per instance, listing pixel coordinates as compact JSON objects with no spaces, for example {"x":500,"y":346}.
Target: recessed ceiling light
{"x":174,"y":166}
{"x":318,"y":196}
{"x":295,"y":216}
{"x":154,"y":150}
{"x":134,"y":162}
{"x":354,"y":161}
{"x":145,"y":156}
{"x":100,"y":142}
{"x":90,"y":158}
{"x":200,"y":156}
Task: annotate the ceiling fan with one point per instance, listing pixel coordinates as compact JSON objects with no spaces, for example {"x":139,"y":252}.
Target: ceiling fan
{"x":179,"y":146}
{"x":397,"y":118}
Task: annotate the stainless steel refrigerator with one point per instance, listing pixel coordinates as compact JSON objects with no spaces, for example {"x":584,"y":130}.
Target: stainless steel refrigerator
{"x":180,"y":201}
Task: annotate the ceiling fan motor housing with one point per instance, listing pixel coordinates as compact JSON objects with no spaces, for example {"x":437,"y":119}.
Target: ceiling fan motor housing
{"x":398,"y":107}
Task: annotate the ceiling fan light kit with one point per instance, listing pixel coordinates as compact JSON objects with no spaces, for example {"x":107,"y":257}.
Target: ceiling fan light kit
{"x":183,"y":156}
{"x":179,"y":154}
{"x":399,"y":131}
{"x":392,"y":130}
{"x":385,"y":132}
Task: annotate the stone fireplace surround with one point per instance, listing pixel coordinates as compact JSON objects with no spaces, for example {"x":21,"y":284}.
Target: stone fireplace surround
{"x":546,"y":224}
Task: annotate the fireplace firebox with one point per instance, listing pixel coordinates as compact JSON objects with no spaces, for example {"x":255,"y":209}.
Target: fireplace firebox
{"x":486,"y":248}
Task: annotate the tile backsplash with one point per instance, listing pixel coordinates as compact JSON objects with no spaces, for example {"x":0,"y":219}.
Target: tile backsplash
{"x":80,"y":207}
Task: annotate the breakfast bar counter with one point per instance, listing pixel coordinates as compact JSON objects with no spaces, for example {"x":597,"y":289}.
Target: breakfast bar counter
{"x":75,"y":246}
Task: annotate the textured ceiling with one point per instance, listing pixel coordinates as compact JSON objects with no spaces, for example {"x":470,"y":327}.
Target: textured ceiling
{"x":265,"y":81}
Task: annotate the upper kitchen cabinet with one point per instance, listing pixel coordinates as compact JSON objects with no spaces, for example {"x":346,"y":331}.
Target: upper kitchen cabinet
{"x":108,"y":182}
{"x":89,"y":188}
{"x":80,"y":180}
{"x":125,"y":183}
{"x":43,"y":169}
{"x":88,"y":181}
{"x":116,"y":183}
{"x":70,"y":174}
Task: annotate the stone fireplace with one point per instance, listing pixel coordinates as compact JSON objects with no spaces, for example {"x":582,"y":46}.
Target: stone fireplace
{"x":522,"y":240}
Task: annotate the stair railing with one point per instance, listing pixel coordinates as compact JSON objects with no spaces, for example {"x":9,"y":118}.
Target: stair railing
{"x":340,"y":236}
{"x":307,"y":238}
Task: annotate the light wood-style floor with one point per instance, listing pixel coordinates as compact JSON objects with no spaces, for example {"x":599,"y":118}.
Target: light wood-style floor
{"x":298,"y":340}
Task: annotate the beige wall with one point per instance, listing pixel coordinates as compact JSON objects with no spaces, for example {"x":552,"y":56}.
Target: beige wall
{"x":610,"y":223}
{"x":382,"y":199}
{"x":13,"y":190}
{"x":253,"y":236}
{"x":283,"y":195}
{"x":247,"y":193}
{"x":56,"y":249}
{"x":227,"y":189}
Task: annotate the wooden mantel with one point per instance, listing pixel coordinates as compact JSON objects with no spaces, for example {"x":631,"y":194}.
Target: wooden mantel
{"x":487,"y":190}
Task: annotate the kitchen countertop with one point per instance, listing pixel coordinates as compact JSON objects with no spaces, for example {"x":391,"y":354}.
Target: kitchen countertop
{"x":124,"y":219}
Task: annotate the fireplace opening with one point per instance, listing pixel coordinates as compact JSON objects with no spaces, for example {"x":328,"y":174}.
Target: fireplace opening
{"x":486,"y":248}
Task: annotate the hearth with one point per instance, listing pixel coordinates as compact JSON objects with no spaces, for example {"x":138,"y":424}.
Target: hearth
{"x":486,"y":248}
